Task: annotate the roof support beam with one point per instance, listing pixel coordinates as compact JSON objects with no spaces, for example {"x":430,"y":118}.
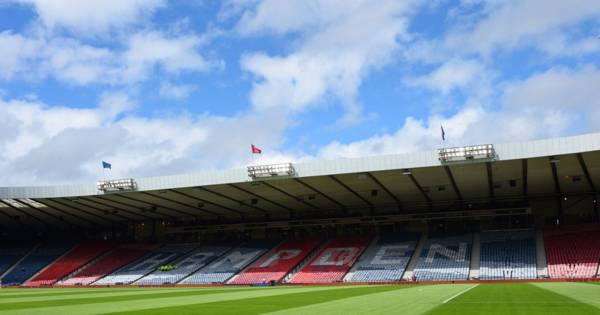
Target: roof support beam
{"x":93,"y":223}
{"x":264,"y":212}
{"x":205,"y":201}
{"x":111,"y":203}
{"x":557,"y":189}
{"x":588,"y":178}
{"x":70,"y":224}
{"x":352,"y":191}
{"x":113,"y":211}
{"x":11,"y":219}
{"x":596,"y":210}
{"x":586,"y":173}
{"x":322,"y":194}
{"x":525,"y":175}
{"x":387,"y":191}
{"x":44,"y":223}
{"x":454,"y":185}
{"x":490,"y":178}
{"x":155,"y":205}
{"x":290,"y":195}
{"x":288,"y":209}
{"x":414,"y":180}
{"x":180,"y":203}
{"x":84,"y":210}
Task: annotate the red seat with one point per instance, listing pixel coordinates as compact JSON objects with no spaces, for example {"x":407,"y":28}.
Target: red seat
{"x":278,"y":262}
{"x":333,"y":261}
{"x":116,"y":259}
{"x":70,"y":262}
{"x":573,"y":253}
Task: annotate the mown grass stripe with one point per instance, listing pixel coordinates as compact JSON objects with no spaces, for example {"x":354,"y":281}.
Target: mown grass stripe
{"x":514,"y":299}
{"x":262,"y":305}
{"x":107,"y":297}
{"x":94,"y":294}
{"x":582,"y":292}
{"x":132,"y":305}
{"x":28,"y":292}
{"x":411,"y":301}
{"x":458,"y":294}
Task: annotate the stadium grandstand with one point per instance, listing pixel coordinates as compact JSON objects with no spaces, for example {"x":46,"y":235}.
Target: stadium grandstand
{"x":490,"y":212}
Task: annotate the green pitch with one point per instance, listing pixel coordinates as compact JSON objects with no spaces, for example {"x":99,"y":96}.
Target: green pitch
{"x":464,"y":299}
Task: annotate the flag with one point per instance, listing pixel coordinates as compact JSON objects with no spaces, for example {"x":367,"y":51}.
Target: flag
{"x":106,"y":165}
{"x":255,"y":150}
{"x":443,"y":133}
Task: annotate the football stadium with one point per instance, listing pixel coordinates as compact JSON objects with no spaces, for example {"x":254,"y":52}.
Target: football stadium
{"x":480,"y":229}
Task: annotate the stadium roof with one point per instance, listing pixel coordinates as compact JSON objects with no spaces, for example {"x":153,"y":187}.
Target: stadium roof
{"x":354,"y":186}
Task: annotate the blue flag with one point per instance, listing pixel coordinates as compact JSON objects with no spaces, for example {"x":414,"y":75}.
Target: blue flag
{"x":106,"y":165}
{"x":443,"y":133}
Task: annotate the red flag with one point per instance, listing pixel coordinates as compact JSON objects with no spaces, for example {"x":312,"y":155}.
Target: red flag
{"x":255,"y":150}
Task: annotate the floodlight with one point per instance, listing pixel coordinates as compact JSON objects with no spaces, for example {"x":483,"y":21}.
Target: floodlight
{"x":271,"y":170}
{"x":117,"y":185}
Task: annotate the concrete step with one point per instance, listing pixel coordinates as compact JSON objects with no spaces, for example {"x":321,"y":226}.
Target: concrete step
{"x":542,"y":264}
{"x":412,"y":263}
{"x":475,"y":257}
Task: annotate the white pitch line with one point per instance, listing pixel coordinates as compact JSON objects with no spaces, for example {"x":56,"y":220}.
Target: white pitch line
{"x":458,"y":294}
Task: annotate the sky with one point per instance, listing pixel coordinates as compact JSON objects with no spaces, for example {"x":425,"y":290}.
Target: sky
{"x":158,"y":87}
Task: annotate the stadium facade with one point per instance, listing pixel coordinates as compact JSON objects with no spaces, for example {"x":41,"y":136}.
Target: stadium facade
{"x":524,"y":210}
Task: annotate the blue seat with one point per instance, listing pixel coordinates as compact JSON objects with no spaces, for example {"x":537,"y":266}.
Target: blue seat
{"x":233,"y":262}
{"x":185,"y":266}
{"x":147,"y":264}
{"x":445,"y":259}
{"x":34,"y":262}
{"x":386,"y":259}
{"x":508,"y":255}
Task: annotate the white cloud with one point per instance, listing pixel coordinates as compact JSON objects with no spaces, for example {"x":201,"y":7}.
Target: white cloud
{"x":41,"y":144}
{"x":555,"y":102}
{"x":91,"y":17}
{"x":294,"y":15}
{"x":71,"y":61}
{"x":450,"y":75}
{"x":513,"y":24}
{"x":32,"y":122}
{"x":415,"y":135}
{"x":339,"y":43}
{"x":17,"y":52}
{"x":172,"y":53}
{"x":175,"y":91}
{"x":560,"y":98}
{"x":486,"y":29}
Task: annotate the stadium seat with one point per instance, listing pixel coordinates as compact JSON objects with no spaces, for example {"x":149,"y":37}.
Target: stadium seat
{"x":333,"y":261}
{"x":185,"y":265}
{"x":274,"y":265}
{"x":573,"y":252}
{"x":108,"y":263}
{"x":10,"y":254}
{"x":508,"y":255}
{"x":445,"y":259}
{"x":225,"y":267}
{"x":145,"y":265}
{"x":70,"y":262}
{"x":34,"y":262}
{"x":385,"y":259}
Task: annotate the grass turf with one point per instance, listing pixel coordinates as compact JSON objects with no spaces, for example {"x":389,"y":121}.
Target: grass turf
{"x":464,"y":299}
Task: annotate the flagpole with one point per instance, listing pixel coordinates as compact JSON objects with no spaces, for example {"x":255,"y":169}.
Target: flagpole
{"x":443,"y":135}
